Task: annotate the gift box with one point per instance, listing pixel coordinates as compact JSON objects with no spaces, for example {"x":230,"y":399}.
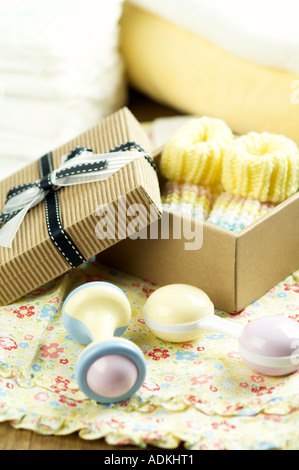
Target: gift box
{"x":233,"y":268}
{"x":104,"y":171}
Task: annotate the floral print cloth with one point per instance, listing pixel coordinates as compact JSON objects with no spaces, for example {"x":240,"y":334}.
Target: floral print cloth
{"x":200,"y":393}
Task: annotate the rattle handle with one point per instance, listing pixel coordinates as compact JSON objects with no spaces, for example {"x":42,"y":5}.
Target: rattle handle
{"x":226,"y":327}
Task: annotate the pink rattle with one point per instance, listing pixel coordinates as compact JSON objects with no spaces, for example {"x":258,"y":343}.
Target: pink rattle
{"x":269,"y":344}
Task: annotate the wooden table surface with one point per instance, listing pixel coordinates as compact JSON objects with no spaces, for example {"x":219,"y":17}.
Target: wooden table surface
{"x":11,"y":439}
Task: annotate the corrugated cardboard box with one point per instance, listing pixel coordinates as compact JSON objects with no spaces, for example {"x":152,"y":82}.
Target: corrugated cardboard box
{"x":234,"y":269}
{"x":34,"y":259}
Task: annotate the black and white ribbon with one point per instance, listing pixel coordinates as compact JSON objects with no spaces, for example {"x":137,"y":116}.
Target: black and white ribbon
{"x":80,"y":166}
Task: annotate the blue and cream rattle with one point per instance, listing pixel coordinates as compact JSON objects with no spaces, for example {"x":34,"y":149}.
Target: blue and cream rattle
{"x":110,"y":369}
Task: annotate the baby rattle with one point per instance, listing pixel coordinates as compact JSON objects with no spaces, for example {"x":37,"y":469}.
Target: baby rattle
{"x":110,"y":369}
{"x":269,"y":344}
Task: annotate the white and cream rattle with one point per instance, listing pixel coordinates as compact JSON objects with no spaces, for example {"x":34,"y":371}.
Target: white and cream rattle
{"x":179,"y":312}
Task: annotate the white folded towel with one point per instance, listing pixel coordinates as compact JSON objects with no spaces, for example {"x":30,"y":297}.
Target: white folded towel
{"x":60,"y":73}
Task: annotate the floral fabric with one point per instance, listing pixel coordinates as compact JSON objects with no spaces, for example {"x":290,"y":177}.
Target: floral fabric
{"x":200,"y":393}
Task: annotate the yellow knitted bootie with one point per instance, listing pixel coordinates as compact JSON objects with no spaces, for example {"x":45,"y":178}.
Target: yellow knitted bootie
{"x":194,"y":153}
{"x":261,"y":166}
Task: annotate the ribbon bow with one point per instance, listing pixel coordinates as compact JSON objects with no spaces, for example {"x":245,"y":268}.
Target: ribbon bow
{"x":80,"y":166}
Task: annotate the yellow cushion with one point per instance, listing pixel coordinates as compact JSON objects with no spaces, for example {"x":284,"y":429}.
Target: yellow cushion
{"x":185,"y":71}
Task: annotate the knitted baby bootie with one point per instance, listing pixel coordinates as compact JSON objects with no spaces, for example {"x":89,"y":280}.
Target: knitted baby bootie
{"x":194,"y":153}
{"x":261,"y":166}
